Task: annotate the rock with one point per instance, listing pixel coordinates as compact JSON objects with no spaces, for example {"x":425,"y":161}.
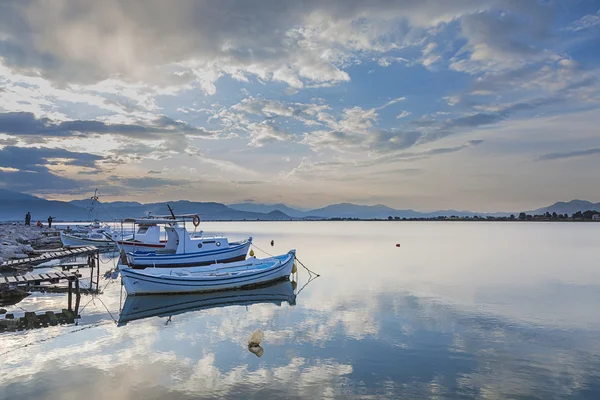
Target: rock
{"x":256,"y":338}
{"x":256,"y":350}
{"x":3,"y":311}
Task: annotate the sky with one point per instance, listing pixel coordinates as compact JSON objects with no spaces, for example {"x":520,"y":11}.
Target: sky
{"x":486,"y":105}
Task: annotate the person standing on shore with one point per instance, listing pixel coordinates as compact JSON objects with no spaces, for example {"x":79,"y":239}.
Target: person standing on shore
{"x":28,"y":219}
{"x":50,"y":222}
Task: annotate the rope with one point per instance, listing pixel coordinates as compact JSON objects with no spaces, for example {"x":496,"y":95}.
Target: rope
{"x":305,"y":267}
{"x":258,"y":248}
{"x":52,"y":337}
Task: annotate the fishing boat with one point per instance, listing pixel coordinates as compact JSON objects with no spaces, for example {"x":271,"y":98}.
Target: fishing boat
{"x":184,"y":249}
{"x":140,"y":307}
{"x":211,"y":278}
{"x":147,"y":237}
{"x":100,"y":237}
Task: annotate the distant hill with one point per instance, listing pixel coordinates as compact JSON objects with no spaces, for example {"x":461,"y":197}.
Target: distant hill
{"x":568,"y":207}
{"x":267,"y":208}
{"x":13,"y":206}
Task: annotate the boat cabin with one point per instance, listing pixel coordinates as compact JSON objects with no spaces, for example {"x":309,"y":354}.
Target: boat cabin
{"x":180,"y":241}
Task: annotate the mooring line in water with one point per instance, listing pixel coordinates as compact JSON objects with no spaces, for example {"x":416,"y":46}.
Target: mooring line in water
{"x":53,"y":337}
{"x":306,"y":268}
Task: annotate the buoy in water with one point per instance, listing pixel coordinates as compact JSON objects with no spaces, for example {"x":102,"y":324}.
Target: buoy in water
{"x":272,"y":242}
{"x":294,"y":268}
{"x":397,"y":244}
{"x":251,"y":253}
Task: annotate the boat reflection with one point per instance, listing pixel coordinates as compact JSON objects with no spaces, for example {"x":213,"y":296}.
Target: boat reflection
{"x":140,"y":307}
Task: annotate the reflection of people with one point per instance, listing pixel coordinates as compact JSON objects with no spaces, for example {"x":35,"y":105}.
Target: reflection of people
{"x":28,"y":219}
{"x":50,"y":222}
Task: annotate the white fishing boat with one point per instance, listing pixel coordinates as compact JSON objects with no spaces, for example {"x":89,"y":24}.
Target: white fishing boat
{"x":215,"y":277}
{"x":97,"y":237}
{"x":185,"y":249}
{"x":139,"y":307}
{"x":147,"y":237}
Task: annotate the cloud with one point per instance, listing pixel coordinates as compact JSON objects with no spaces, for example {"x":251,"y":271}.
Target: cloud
{"x":585,"y":22}
{"x":403,"y":114}
{"x":569,"y":154}
{"x":146,"y":182}
{"x":27,"y":124}
{"x":300,"y":43}
{"x":26,"y":168}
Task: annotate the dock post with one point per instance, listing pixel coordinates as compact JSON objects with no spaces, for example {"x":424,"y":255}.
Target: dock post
{"x":70,"y":297}
{"x":77,"y":297}
{"x":97,"y":271}
{"x":91,"y":265}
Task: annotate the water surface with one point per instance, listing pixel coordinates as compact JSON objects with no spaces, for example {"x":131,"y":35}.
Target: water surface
{"x":459,"y":310}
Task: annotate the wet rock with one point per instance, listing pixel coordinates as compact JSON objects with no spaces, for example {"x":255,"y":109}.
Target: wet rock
{"x":3,"y":311}
{"x":256,"y":350}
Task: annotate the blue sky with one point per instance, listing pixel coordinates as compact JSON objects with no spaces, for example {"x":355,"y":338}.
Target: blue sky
{"x":486,"y":105}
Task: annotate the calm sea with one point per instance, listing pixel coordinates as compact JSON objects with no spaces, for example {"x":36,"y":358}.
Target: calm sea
{"x":459,"y":310}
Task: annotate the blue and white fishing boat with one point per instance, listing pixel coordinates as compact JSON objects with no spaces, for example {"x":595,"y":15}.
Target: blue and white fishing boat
{"x":184,"y":249}
{"x":140,"y":307}
{"x":211,"y":278}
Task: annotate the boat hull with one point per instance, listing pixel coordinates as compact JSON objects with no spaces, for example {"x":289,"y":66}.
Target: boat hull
{"x":141,"y":282}
{"x":131,"y":247}
{"x":73,"y":241}
{"x":147,"y":259}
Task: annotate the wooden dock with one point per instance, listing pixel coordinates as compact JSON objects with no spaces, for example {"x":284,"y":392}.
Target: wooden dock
{"x":36,"y":279}
{"x":78,"y":251}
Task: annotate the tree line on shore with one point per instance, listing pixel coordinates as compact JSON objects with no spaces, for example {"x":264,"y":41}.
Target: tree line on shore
{"x":578,"y":216}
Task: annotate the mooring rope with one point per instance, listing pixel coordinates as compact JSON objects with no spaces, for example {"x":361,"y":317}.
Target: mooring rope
{"x":301,"y":263}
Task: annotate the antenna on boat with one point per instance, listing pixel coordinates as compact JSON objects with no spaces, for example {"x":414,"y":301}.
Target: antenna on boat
{"x":171,"y":211}
{"x":94,"y":200}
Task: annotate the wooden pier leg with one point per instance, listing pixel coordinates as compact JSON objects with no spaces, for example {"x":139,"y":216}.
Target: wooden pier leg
{"x":77,"y":297}
{"x":91,"y":265}
{"x":70,"y":297}
{"x":97,"y":272}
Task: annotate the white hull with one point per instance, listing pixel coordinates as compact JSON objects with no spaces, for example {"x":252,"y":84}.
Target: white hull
{"x":139,"y":307}
{"x":211,"y":278}
{"x":72,"y":241}
{"x":131,"y":247}
{"x":235,"y":252}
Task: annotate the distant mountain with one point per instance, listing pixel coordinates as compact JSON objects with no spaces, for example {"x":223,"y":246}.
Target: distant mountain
{"x":267,"y":208}
{"x":14,"y":206}
{"x":569,"y":207}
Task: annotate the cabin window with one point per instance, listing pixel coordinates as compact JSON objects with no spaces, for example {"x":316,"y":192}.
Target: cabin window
{"x":218,"y":244}
{"x":143,"y":229}
{"x":199,"y":245}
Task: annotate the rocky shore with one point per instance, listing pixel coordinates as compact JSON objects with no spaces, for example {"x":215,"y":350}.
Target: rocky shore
{"x":18,"y":240}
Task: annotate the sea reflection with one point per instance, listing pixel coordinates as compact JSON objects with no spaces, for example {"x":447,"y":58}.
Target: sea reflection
{"x":459,"y":311}
{"x":139,"y":307}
